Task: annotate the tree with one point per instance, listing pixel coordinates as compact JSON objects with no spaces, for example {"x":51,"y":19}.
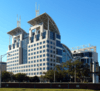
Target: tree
{"x":20,"y":77}
{"x":6,"y":76}
{"x":36,"y":79}
{"x":77,"y":69}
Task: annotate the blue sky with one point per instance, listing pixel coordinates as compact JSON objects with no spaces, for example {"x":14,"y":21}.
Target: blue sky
{"x":78,"y":20}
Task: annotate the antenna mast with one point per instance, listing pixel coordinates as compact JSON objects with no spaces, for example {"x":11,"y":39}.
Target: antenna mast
{"x":18,"y":21}
{"x":37,"y":10}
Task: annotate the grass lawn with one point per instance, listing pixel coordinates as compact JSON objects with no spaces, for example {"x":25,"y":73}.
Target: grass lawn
{"x":32,"y":89}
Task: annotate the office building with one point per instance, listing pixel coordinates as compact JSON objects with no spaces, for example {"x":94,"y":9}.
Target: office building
{"x":37,"y":51}
{"x":88,"y":54}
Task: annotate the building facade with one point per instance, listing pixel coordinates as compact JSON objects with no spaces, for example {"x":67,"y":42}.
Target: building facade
{"x":37,"y":51}
{"x":88,"y":55}
{"x":3,"y":67}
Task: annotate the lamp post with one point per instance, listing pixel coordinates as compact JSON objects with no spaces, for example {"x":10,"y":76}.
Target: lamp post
{"x":1,"y":67}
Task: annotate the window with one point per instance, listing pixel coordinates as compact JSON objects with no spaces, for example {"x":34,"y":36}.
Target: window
{"x":34,"y":69}
{"x":48,"y":46}
{"x":43,"y":55}
{"x":40,"y":51}
{"x":57,"y":36}
{"x":40,"y":55}
{"x":28,"y":50}
{"x":37,"y":52}
{"x":44,"y":46}
{"x":40,"y":68}
{"x":47,"y":50}
{"x":43,"y":59}
{"x":37,"y":56}
{"x":40,"y":43}
{"x":37,"y":60}
{"x":40,"y":60}
{"x":34,"y":61}
{"x":34,"y":44}
{"x":28,"y":46}
{"x":43,"y":50}
{"x":29,"y":58}
{"x":51,"y":42}
{"x":34,"y":52}
{"x":31,"y":53}
{"x":40,"y":64}
{"x":31,"y":65}
{"x":47,"y":63}
{"x":34,"y":48}
{"x":43,"y":42}
{"x":34,"y":56}
{"x":31,"y":49}
{"x":37,"y":48}
{"x":37,"y":64}
{"x":47,"y":59}
{"x":34,"y":65}
{"x":51,"y":46}
{"x":43,"y":68}
{"x":43,"y":64}
{"x":37,"y":43}
{"x":40,"y":47}
{"x":31,"y":45}
{"x":47,"y":41}
{"x":51,"y":51}
{"x":48,"y":55}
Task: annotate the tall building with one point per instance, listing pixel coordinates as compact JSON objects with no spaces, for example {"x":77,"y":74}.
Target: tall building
{"x":37,"y":51}
{"x":88,"y":54}
{"x":3,"y":67}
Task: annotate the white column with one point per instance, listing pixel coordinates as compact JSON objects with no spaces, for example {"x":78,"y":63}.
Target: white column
{"x":12,"y":40}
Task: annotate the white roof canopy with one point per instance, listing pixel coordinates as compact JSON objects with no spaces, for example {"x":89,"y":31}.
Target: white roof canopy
{"x":44,"y":18}
{"x":16,"y":31}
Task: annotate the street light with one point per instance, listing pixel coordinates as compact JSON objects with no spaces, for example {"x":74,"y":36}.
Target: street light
{"x":1,"y":67}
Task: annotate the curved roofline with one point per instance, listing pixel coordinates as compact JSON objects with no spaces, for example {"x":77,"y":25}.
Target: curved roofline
{"x":43,"y":17}
{"x":54,"y":22}
{"x":68,"y":49}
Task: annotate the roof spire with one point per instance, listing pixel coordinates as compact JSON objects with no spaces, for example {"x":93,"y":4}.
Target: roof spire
{"x":37,"y":10}
{"x":18,"y":21}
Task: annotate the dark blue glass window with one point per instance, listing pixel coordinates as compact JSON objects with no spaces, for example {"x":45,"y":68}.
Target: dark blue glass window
{"x":58,"y":51}
{"x":17,"y":44}
{"x":40,"y":51}
{"x":58,"y":43}
{"x":52,"y":35}
{"x":43,"y":50}
{"x":37,"y":60}
{"x":9,"y":47}
{"x":13,"y":46}
{"x":47,"y":41}
{"x":57,"y":36}
{"x":43,"y":42}
{"x":43,"y":35}
{"x":40,"y":55}
{"x":48,"y":55}
{"x":44,"y":46}
{"x":43,"y":59}
{"x":43,"y":68}
{"x":43,"y":55}
{"x":40,"y":43}
{"x":48,"y":46}
{"x":34,"y":44}
{"x":47,"y":59}
{"x":37,"y":37}
{"x":32,"y":38}
{"x":47,"y":50}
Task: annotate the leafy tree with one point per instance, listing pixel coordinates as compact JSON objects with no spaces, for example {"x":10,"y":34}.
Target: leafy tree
{"x":20,"y":77}
{"x":6,"y":76}
{"x":36,"y":79}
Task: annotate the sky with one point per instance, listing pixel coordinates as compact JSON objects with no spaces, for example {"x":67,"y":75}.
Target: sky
{"x":77,"y":20}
